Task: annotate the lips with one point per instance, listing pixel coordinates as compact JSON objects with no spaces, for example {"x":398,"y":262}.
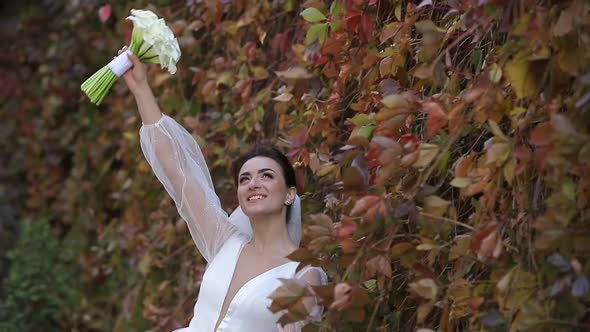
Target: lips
{"x":256,"y":197}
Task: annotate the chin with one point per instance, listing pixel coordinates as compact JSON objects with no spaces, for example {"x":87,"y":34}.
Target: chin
{"x":258,"y":211}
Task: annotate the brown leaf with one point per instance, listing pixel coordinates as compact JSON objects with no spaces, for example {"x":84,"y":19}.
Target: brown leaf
{"x":565,"y":23}
{"x":300,"y":255}
{"x":287,"y":294}
{"x":379,"y":264}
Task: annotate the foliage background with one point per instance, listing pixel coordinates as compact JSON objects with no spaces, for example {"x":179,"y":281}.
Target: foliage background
{"x":442,"y":152}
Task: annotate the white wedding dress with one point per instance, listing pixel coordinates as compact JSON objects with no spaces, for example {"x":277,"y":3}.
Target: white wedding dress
{"x":178,"y":163}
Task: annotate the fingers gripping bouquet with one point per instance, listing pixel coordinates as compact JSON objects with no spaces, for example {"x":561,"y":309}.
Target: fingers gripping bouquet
{"x":151,"y":41}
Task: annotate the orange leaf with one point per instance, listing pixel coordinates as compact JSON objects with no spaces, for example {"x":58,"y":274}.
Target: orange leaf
{"x":463,"y":166}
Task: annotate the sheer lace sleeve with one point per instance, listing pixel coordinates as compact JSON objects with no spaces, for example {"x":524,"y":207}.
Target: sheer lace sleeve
{"x":178,"y":163}
{"x":312,"y":276}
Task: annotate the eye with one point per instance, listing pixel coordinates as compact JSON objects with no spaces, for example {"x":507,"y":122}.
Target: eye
{"x":242,"y":179}
{"x":267,"y":175}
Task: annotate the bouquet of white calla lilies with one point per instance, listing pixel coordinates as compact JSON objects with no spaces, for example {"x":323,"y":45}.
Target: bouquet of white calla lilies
{"x":151,"y":41}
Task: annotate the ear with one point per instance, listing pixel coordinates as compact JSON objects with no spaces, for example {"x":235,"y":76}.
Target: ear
{"x":291,"y":193}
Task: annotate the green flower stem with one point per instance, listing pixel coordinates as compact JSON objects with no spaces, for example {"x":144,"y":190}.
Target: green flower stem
{"x":144,"y":52}
{"x":150,"y":58}
{"x":97,"y":86}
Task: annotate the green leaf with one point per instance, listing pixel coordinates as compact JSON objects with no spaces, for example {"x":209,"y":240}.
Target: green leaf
{"x":336,"y":8}
{"x":317,"y":31}
{"x":312,"y":15}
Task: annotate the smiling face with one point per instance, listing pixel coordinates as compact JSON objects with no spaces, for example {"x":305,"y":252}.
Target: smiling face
{"x":262,"y":190}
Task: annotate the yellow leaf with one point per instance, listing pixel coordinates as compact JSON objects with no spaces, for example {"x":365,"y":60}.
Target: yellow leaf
{"x":504,"y":282}
{"x":497,"y":153}
{"x":495,"y":73}
{"x":520,"y":287}
{"x":283,"y":97}
{"x":327,"y":168}
{"x":425,"y":287}
{"x":509,"y":170}
{"x":129,"y":135}
{"x":516,"y":112}
{"x":427,"y":154}
{"x":460,"y":293}
{"x":294,"y":73}
{"x":426,"y":246}
{"x":461,"y":182}
{"x":434,"y":201}
{"x":145,"y":264}
{"x":461,"y":247}
{"x":400,"y":248}
{"x":435,"y":205}
{"x":398,"y":11}
{"x":395,"y":101}
{"x":423,"y":310}
{"x":260,"y":73}
{"x":521,"y":78}
{"x":496,"y":130}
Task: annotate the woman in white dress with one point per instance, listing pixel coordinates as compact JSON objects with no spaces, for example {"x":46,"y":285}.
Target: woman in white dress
{"x":245,"y":252}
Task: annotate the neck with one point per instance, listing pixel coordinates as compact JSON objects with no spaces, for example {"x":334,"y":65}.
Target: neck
{"x":270,"y":234}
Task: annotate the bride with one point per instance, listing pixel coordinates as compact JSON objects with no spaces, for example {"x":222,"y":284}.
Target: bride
{"x":245,"y":252}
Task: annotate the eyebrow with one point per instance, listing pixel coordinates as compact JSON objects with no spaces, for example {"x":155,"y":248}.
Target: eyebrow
{"x":259,"y":171}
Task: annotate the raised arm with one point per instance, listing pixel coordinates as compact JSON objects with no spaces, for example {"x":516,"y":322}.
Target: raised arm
{"x":177,"y":161}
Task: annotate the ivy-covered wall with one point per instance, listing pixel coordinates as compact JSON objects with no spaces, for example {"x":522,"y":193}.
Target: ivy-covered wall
{"x":442,"y":152}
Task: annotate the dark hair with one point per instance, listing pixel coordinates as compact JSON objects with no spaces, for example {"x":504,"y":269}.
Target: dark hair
{"x":268,"y":151}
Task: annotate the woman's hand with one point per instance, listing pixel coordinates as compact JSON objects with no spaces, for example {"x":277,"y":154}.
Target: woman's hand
{"x":136,"y":76}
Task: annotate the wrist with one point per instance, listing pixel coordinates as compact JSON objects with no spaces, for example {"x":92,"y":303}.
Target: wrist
{"x":142,"y":90}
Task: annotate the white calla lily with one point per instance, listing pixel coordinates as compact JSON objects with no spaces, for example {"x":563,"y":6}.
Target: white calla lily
{"x":151,"y":41}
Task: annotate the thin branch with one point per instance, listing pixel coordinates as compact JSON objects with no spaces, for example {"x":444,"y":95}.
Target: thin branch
{"x":452,"y":221}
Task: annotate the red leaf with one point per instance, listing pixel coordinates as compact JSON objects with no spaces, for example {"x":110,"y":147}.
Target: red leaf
{"x":280,"y":42}
{"x":104,"y":13}
{"x":523,"y":155}
{"x":353,"y":19}
{"x":542,"y":134}
{"x":364,"y":204}
{"x":437,"y":117}
{"x":409,"y":141}
{"x":366,"y":28}
{"x":345,"y":229}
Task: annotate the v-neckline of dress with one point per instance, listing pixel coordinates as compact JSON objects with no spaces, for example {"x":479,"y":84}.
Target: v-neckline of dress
{"x":221,"y":318}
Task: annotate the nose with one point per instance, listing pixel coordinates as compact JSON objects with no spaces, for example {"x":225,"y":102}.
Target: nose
{"x":253,"y":184}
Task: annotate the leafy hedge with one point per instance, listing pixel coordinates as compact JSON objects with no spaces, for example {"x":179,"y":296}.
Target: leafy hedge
{"x":40,"y":286}
{"x":442,"y":152}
